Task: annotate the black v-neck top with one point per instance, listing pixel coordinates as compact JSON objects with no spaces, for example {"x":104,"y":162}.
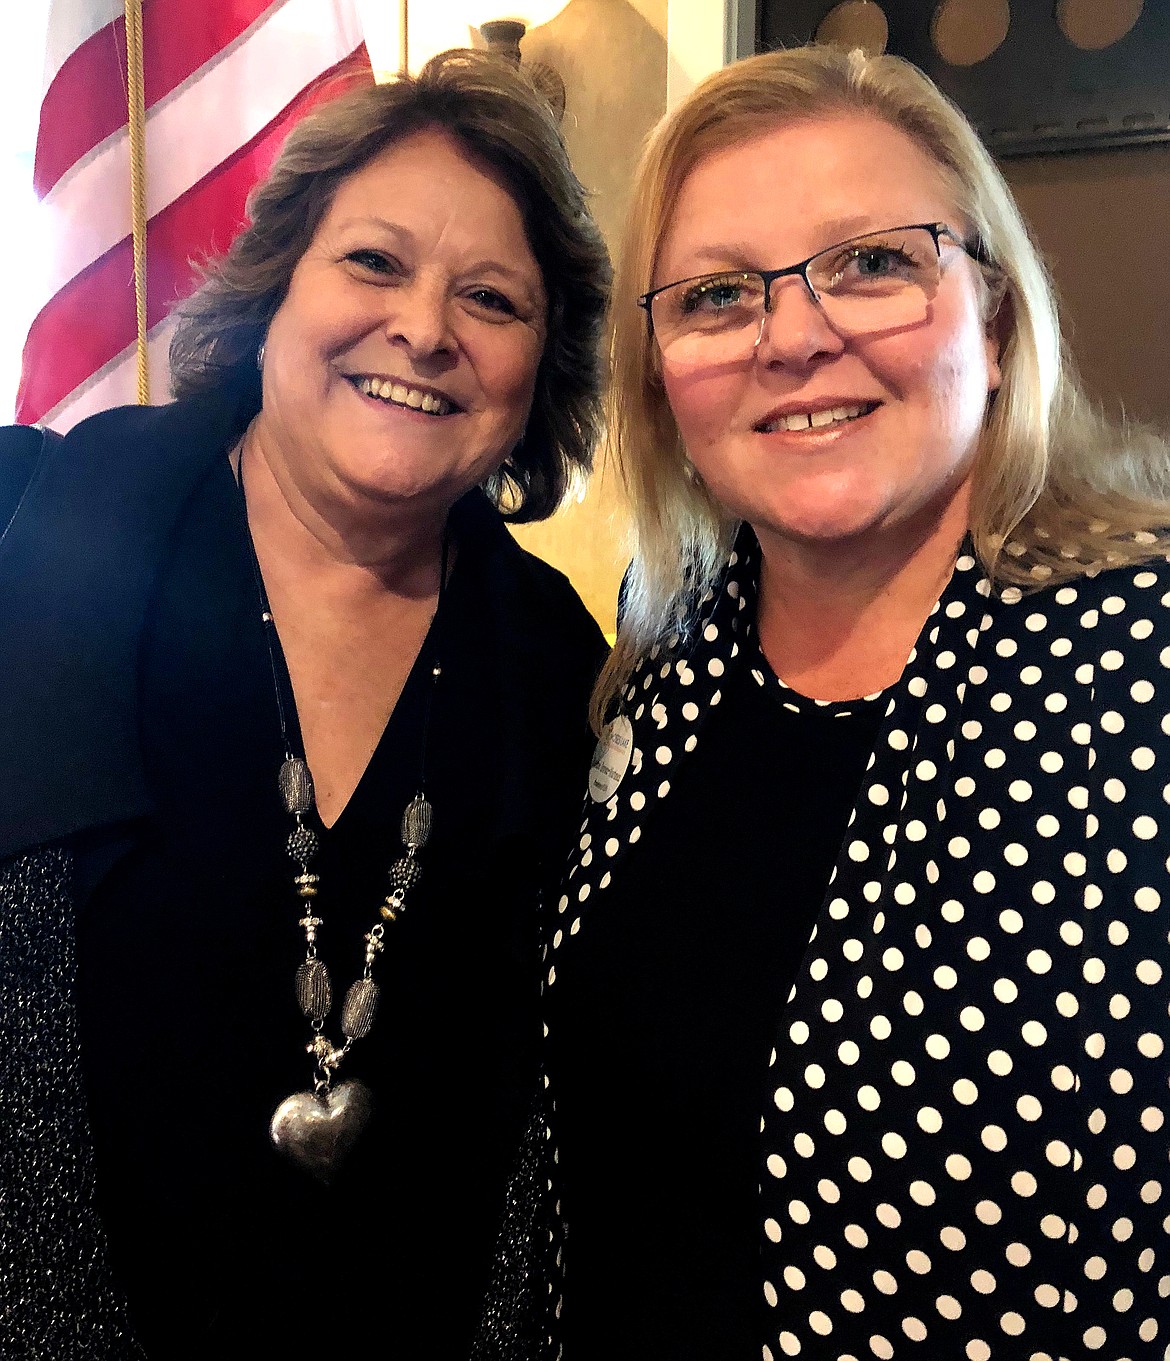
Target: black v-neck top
{"x":663,"y":1017}
{"x":190,"y":1030}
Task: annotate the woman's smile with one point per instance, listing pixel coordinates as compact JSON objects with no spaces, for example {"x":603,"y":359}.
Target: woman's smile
{"x":819,"y":418}
{"x":398,"y":393}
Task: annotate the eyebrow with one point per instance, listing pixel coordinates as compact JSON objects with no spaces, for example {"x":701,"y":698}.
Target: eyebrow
{"x":842,"y":228}
{"x":834,"y":231}
{"x":519,"y":277}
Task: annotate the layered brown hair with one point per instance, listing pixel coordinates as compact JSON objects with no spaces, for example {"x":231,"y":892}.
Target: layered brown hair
{"x":501,"y":124}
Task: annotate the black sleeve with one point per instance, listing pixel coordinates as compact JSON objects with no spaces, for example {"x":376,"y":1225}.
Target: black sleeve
{"x":20,"y":449}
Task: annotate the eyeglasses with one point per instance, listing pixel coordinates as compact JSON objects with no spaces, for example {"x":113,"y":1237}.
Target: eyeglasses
{"x":876,"y":282}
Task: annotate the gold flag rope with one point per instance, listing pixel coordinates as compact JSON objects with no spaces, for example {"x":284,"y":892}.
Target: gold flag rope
{"x":136,"y":109}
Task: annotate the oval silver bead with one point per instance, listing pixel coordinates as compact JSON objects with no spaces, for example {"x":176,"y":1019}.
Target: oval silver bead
{"x":361,"y":1006}
{"x":314,"y":989}
{"x":296,"y":785}
{"x":416,"y":822}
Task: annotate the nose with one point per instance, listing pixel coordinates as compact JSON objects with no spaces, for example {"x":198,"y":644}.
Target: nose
{"x":418,"y":317}
{"x":794,"y":329}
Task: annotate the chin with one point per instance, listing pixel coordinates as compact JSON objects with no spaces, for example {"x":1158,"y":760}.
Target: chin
{"x":813,"y":520}
{"x":824,"y":532}
{"x":399,"y":481}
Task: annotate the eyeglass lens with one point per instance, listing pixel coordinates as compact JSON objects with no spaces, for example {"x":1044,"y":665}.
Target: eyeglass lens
{"x":872,"y":283}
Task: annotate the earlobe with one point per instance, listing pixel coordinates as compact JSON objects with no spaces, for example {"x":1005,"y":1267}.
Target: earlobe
{"x":997,"y":330}
{"x":994,"y":374}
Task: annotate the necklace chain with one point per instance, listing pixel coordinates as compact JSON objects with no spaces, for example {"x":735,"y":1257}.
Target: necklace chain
{"x":313,"y":983}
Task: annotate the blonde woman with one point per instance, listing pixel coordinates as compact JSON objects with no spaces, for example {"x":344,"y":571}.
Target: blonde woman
{"x":856,"y":1040}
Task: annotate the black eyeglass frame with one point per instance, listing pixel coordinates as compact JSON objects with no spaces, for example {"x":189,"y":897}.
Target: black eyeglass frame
{"x":768,"y":277}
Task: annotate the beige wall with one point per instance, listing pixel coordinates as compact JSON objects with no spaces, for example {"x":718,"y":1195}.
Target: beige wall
{"x":1101,"y":220}
{"x":611,"y":55}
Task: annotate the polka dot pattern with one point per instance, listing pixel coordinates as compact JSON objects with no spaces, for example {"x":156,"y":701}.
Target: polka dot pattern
{"x":963,"y":1151}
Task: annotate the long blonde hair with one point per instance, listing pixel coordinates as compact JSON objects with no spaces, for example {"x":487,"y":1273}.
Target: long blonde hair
{"x":1057,"y":490}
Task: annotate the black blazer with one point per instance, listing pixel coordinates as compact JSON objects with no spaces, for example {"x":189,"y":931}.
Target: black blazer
{"x":86,"y":523}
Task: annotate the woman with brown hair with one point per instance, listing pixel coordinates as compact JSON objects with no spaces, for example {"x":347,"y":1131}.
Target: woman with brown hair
{"x":290,"y":732}
{"x":856,"y":1045}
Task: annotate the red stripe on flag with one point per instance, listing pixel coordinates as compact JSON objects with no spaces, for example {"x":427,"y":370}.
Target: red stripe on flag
{"x":86,"y":101}
{"x":92,"y":318}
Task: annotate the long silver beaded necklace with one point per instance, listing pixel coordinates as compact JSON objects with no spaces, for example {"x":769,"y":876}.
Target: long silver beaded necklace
{"x":316,"y":1129}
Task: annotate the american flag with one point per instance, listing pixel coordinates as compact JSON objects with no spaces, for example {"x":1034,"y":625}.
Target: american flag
{"x":223,"y":82}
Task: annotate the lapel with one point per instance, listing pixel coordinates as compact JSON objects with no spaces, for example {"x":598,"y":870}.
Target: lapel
{"x":78,"y":566}
{"x":667,"y":700}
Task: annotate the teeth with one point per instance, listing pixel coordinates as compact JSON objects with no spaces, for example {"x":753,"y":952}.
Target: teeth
{"x":815,"y":420}
{"x":402,"y":395}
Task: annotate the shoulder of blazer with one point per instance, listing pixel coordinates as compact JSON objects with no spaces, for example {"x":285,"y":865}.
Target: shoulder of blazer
{"x":77,"y":568}
{"x":21,"y":447}
{"x":534,"y":606}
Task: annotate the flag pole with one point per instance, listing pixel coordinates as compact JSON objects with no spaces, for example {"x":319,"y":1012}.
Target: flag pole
{"x":136,"y":109}
{"x":403,"y":37}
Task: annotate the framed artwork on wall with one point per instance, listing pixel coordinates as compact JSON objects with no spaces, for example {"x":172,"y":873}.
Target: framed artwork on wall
{"x":1032,"y":75}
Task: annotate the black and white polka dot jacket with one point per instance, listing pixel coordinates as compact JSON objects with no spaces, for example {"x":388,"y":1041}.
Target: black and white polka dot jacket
{"x":965,"y":1153}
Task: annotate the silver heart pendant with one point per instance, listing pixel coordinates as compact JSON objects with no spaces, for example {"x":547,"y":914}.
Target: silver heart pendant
{"x":317,"y":1132}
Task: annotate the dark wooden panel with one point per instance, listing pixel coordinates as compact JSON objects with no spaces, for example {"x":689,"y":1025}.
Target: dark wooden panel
{"x":1037,"y":92}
